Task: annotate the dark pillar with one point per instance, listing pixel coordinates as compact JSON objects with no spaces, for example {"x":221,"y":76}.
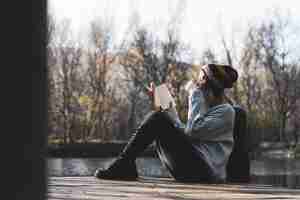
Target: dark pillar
{"x":25,"y":111}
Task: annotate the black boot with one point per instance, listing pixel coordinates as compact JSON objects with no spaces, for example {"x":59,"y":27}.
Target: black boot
{"x":119,"y":170}
{"x":124,"y":167}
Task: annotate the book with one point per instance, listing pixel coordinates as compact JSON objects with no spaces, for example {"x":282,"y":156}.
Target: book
{"x":163,"y":97}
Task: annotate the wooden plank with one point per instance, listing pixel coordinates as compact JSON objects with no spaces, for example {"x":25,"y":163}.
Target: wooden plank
{"x":79,"y":188}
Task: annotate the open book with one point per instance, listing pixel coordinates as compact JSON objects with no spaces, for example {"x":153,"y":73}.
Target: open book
{"x":162,"y":97}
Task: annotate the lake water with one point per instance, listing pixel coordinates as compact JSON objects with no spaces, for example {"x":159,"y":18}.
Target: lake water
{"x":279,"y":172}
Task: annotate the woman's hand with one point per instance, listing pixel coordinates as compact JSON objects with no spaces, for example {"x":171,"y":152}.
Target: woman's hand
{"x":151,"y":90}
{"x":151,"y":94}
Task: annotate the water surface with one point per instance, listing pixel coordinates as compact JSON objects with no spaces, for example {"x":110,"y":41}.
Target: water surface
{"x":279,"y":172}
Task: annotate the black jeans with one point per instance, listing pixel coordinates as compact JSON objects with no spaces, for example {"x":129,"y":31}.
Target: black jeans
{"x":175,"y":150}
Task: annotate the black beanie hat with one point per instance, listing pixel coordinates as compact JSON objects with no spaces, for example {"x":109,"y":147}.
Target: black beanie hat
{"x":225,"y":74}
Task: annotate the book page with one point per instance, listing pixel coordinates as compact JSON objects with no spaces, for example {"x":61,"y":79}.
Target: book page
{"x":163,"y":97}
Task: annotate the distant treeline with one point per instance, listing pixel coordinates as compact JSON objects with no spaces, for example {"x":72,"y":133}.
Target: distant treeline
{"x":97,"y":93}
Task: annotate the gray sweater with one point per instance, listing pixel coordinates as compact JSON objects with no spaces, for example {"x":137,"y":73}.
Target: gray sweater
{"x":213,"y":130}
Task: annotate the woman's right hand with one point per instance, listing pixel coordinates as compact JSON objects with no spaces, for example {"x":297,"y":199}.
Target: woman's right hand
{"x":151,"y":93}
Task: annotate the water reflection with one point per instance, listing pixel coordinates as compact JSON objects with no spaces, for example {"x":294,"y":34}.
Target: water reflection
{"x":74,"y":166}
{"x":280,"y":172}
{"x":269,"y":166}
{"x":87,"y":166}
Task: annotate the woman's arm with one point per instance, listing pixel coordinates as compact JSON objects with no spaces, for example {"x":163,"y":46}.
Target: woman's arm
{"x":217,"y":123}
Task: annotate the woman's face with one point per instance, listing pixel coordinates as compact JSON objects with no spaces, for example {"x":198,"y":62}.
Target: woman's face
{"x":202,"y":76}
{"x":202,"y":82}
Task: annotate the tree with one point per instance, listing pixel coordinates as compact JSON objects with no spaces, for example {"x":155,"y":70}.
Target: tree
{"x":267,"y":86}
{"x":51,"y":60}
{"x":208,"y":56}
{"x":101,"y":92}
{"x":149,"y":59}
{"x":140,"y":63}
{"x":282,"y":71}
{"x":64,"y":65}
{"x":251,"y":89}
{"x":230,"y":61}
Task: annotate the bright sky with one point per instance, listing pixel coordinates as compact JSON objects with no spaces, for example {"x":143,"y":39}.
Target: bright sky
{"x":202,"y":21}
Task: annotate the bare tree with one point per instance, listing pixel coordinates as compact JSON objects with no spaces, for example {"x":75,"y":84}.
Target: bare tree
{"x":68,"y":79}
{"x":149,"y":59}
{"x":267,"y":86}
{"x":64,"y":63}
{"x":177,"y":56}
{"x":140,"y":63}
{"x":208,"y":56}
{"x":101,"y":59}
{"x":229,"y":58}
{"x":51,"y":60}
{"x":283,"y":72}
{"x":251,"y":89}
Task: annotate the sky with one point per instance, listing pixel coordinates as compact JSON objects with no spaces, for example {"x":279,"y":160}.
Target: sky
{"x":201,"y":22}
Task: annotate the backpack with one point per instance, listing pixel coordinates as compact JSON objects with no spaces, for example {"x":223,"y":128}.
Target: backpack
{"x":238,"y":166}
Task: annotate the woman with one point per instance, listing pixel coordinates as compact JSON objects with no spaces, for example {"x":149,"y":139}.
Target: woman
{"x":195,"y":152}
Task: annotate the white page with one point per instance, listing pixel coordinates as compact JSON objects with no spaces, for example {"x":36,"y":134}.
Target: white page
{"x":163,"y":97}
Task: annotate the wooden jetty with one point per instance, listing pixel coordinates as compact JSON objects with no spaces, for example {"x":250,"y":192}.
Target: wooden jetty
{"x":148,"y":188}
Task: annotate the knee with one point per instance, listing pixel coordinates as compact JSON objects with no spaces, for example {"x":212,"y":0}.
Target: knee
{"x":157,"y":114}
{"x":152,"y":116}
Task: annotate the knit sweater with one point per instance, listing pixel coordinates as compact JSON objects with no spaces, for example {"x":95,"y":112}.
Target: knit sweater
{"x":212,"y":130}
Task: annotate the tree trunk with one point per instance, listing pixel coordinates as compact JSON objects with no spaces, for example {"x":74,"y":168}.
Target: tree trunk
{"x":65,"y":132}
{"x":132,"y":117}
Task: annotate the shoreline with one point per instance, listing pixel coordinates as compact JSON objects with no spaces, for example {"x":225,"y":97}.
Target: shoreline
{"x":91,"y":150}
{"x":112,"y":149}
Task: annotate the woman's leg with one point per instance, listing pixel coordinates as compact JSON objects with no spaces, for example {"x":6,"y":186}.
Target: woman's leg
{"x":175,"y":150}
{"x":124,"y":166}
